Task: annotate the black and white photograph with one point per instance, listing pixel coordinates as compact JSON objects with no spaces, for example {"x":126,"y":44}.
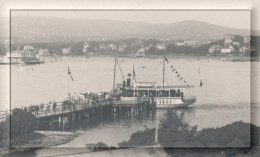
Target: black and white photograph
{"x":129,"y":82}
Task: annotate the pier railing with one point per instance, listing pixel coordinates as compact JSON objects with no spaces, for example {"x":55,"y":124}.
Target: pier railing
{"x":72,"y":105}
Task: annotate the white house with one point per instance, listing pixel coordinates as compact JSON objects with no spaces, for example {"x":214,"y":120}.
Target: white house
{"x":246,"y":39}
{"x":112,"y":46}
{"x":43,"y":52}
{"x":227,"y":49}
{"x":228,"y":41}
{"x":66,"y":51}
{"x":160,"y":47}
{"x":215,"y":48}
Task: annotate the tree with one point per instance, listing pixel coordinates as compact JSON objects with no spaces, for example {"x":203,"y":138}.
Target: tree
{"x":174,"y":131}
{"x":22,"y":122}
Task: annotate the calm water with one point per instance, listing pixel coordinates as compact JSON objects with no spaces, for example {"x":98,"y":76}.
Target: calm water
{"x":223,"y":98}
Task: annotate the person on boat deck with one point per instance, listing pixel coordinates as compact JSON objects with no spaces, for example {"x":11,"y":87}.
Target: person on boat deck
{"x":54,"y":105}
{"x":41,"y":107}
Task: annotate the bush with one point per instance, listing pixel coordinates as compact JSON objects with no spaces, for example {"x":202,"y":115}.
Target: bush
{"x":22,"y":123}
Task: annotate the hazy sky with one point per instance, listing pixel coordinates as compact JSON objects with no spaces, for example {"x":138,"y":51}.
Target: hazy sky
{"x":234,"y":18}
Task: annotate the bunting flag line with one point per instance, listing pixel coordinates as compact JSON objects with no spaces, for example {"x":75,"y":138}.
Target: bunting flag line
{"x":69,"y":73}
{"x":201,"y":83}
{"x":178,"y":75}
{"x":133,"y":72}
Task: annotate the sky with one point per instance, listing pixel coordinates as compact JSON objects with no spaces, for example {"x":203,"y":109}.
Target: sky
{"x":229,"y":18}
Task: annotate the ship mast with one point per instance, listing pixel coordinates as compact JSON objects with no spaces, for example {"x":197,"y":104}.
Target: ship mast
{"x":114,"y":80}
{"x":163,"y":68}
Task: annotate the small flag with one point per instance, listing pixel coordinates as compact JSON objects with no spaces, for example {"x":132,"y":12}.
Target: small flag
{"x":70,"y":74}
{"x":176,"y":72}
{"x":185,"y":81}
{"x":178,"y":75}
{"x":180,"y":79}
{"x":133,"y":72}
{"x":173,"y":70}
{"x":201,"y":83}
{"x":165,"y":59}
{"x":171,"y":66}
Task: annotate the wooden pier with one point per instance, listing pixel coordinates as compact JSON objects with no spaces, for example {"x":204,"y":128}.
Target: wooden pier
{"x":74,"y":110}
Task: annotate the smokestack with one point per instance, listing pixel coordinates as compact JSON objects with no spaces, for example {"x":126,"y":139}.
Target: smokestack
{"x":128,"y":82}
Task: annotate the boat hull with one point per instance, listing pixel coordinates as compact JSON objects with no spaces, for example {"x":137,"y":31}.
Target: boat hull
{"x":34,"y":62}
{"x":175,"y":102}
{"x":168,"y":106}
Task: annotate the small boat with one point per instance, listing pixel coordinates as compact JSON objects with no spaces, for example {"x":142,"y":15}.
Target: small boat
{"x":131,"y":92}
{"x":33,"y":62}
{"x":10,"y":60}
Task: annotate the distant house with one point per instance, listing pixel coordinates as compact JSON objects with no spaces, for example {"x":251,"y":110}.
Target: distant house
{"x":192,"y":43}
{"x":86,"y":46}
{"x":121,"y":49}
{"x":246,"y":39}
{"x":140,"y":52}
{"x":227,"y":41}
{"x":236,"y":43}
{"x":103,"y":47}
{"x":180,"y":44}
{"x":215,"y":49}
{"x":44,"y":52}
{"x":112,"y":46}
{"x":28,"y":48}
{"x":66,"y":51}
{"x":160,"y":47}
{"x":227,"y":49}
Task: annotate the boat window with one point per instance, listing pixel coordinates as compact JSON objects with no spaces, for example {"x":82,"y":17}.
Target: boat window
{"x":123,"y":92}
{"x":166,"y":101}
{"x":163,"y":93}
{"x":166,"y":93}
{"x":163,"y":101}
{"x":170,"y":101}
{"x":152,"y":93}
{"x":172,"y":93}
{"x":136,"y":93}
{"x":178,"y":94}
{"x":130,"y":93}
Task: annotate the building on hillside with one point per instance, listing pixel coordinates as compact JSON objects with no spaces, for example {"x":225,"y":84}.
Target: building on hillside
{"x":215,"y":49}
{"x":160,"y":47}
{"x":192,"y":43}
{"x":112,"y":46}
{"x":44,"y":52}
{"x":103,"y":47}
{"x":246,"y":39}
{"x":66,"y":51}
{"x":140,"y":52}
{"x":236,"y":43}
{"x":227,"y":49}
{"x":179,"y":44}
{"x":227,"y":41}
{"x":28,"y":48}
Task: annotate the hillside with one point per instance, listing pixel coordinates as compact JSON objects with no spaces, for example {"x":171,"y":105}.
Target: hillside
{"x":49,"y":29}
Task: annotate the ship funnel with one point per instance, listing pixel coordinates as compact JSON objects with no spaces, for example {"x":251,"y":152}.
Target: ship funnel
{"x":128,"y":82}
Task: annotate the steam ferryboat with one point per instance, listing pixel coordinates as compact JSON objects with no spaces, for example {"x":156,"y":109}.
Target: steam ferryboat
{"x":163,"y":96}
